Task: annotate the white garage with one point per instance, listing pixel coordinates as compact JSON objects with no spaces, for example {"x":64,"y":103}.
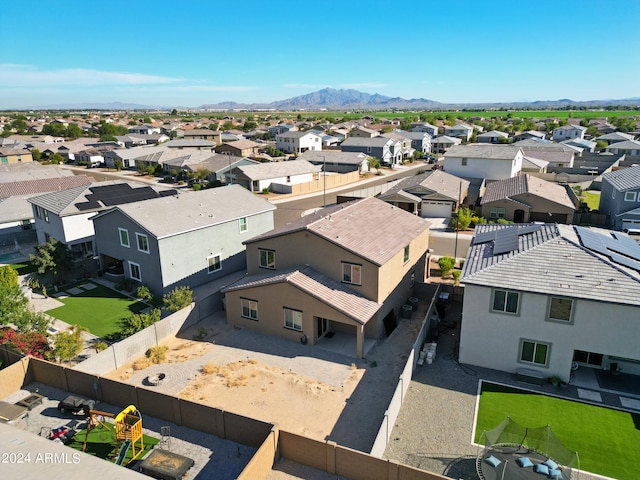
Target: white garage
{"x":436,"y":208}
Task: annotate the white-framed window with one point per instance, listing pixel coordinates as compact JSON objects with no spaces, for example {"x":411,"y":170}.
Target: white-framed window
{"x":560,"y":309}
{"x":45,"y":213}
{"x":249,"y":308}
{"x":465,"y":161}
{"x":124,"y":237}
{"x":630,"y":196}
{"x":505,"y":301}
{"x":406,"y":254}
{"x":143,"y":242}
{"x":267,"y":258}
{"x":38,"y":211}
{"x":497,"y":212}
{"x":352,"y":273}
{"x":534,"y":352}
{"x":293,"y":319}
{"x":214,"y":263}
{"x":134,"y":271}
{"x":243,"y":226}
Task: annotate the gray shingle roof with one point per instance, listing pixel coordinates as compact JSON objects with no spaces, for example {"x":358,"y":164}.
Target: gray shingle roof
{"x":483,"y":150}
{"x":367,"y":142}
{"x":523,"y":184}
{"x":624,"y":178}
{"x":333,"y":156}
{"x":369,"y":228}
{"x":552,"y":261}
{"x":319,"y":286}
{"x":171,"y":215}
{"x":33,"y":187}
{"x":266,"y":170}
{"x":626,"y":145}
{"x":493,"y":133}
{"x":436,"y":181}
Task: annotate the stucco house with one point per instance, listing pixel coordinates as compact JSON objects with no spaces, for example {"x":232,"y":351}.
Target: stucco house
{"x":203,"y":134}
{"x":337,"y":161}
{"x":278,"y":129}
{"x":387,"y":150}
{"x":524,"y":199}
{"x":493,"y":136}
{"x":145,"y":129}
{"x":555,"y":154}
{"x":298,"y":142}
{"x":186,"y":239}
{"x":274,"y":176}
{"x":551,"y":298}
{"x":493,"y":162}
{"x":620,"y":198}
{"x":529,"y":134}
{"x":420,"y":141}
{"x":424,"y":127}
{"x":15,"y":155}
{"x":66,"y":214}
{"x":431,"y":194}
{"x":628,"y":147}
{"x":568,"y":132}
{"x":462,"y":131}
{"x":240,"y":148}
{"x":443,"y":143}
{"x":331,"y":273}
{"x":364,"y":132}
{"x":614,"y":137}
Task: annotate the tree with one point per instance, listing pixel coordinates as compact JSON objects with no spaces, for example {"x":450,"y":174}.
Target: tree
{"x":56,"y":159}
{"x":117,"y":163}
{"x":178,"y":298}
{"x":446,"y":264}
{"x":249,"y":125}
{"x":36,"y":154}
{"x":52,"y":257}
{"x":55,"y":129}
{"x":463,"y":219}
{"x":375,"y":163}
{"x":68,"y":345}
{"x":74,"y":131}
{"x":32,"y":321}
{"x":137,"y":322}
{"x":228,"y":125}
{"x":107,"y":131}
{"x":20,"y":125}
{"x":13,"y":302}
{"x":174,"y":112}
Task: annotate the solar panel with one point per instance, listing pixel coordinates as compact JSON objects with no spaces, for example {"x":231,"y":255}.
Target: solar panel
{"x":627,"y":262}
{"x":625,"y":245}
{"x":525,"y":229}
{"x":592,"y":241}
{"x":87,"y":205}
{"x":506,"y":241}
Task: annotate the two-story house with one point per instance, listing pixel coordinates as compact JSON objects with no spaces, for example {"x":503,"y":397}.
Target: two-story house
{"x":387,"y":150}
{"x":493,"y":162}
{"x":420,"y":141}
{"x":145,"y":129}
{"x":406,"y":144}
{"x":628,"y":147}
{"x":337,"y":161}
{"x":424,"y":127}
{"x":620,"y":198}
{"x":551,"y":298}
{"x":494,"y":136}
{"x":274,"y":176}
{"x":298,"y":142}
{"x":462,"y":131}
{"x":203,"y":134}
{"x":442,"y":143}
{"x":568,"y":132}
{"x":239,"y":148}
{"x":331,"y":273}
{"x":279,"y":129}
{"x":186,"y":239}
{"x":363,"y":132}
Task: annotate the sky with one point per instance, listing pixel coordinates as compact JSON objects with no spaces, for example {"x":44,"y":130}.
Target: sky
{"x":192,"y":52}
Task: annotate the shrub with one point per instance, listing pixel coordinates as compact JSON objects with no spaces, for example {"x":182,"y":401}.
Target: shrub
{"x":144,"y":293}
{"x":27,"y":343}
{"x":265,"y":190}
{"x":463,"y":219}
{"x":157,"y":354}
{"x":456,"y":276}
{"x":178,"y":298}
{"x":100,"y":346}
{"x":137,"y":322}
{"x":446,"y":264}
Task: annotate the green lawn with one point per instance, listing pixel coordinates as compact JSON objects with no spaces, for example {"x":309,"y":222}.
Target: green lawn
{"x":23,"y":268}
{"x":99,"y":310}
{"x":606,"y":440}
{"x":592,"y":199}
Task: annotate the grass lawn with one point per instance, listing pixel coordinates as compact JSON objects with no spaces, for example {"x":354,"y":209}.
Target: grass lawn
{"x":102,"y":442}
{"x":23,"y":268}
{"x":606,"y":440}
{"x":592,"y":200}
{"x":99,"y":310}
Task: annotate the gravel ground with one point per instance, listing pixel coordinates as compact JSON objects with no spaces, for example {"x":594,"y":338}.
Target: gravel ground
{"x":213,"y":456}
{"x":434,"y":429}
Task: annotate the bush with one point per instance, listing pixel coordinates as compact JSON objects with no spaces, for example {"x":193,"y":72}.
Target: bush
{"x":463,"y":219}
{"x":137,"y":322}
{"x":265,"y":190}
{"x":157,"y":354}
{"x":456,"y":276}
{"x":446,"y":264}
{"x":178,"y":298}
{"x":28,"y":343}
{"x":144,"y":293}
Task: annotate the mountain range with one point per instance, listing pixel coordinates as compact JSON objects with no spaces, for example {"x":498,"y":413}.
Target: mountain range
{"x":347,"y":99}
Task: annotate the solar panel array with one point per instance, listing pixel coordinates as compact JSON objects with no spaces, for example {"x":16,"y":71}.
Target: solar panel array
{"x":505,"y":239}
{"x":119,"y":194}
{"x":618,"y":247}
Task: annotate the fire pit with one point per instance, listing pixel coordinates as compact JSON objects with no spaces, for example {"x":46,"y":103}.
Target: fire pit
{"x":156,"y":379}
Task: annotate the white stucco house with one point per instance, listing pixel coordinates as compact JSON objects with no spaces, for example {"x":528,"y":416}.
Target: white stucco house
{"x":275,"y":176}
{"x":568,"y":132}
{"x":551,"y":298}
{"x":298,"y":142}
{"x":493,"y":162}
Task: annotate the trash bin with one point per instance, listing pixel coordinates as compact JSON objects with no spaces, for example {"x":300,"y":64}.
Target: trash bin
{"x":406,"y":311}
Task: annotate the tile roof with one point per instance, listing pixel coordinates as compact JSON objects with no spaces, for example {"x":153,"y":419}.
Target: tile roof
{"x":42,"y":185}
{"x":296,"y":134}
{"x":549,"y":260}
{"x":367,"y":141}
{"x":624,"y":178}
{"x":493,"y":133}
{"x":369,"y":228}
{"x":436,"y":181}
{"x":616,"y":137}
{"x":187,"y":211}
{"x":626,"y":145}
{"x":333,"y":156}
{"x":244,"y":143}
{"x":14,"y":209}
{"x":530,"y":162}
{"x":446,"y":139}
{"x":319,"y":286}
{"x":522,"y":184}
{"x":483,"y":150}
{"x":266,"y":170}
{"x":17,"y":172}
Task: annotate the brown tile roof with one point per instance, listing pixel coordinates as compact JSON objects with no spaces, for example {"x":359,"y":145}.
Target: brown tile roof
{"x":369,"y":228}
{"x":319,"y":286}
{"x":44,"y":185}
{"x":515,"y":186}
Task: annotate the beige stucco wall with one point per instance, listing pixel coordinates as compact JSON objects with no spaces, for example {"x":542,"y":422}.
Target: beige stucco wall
{"x":539,"y":204}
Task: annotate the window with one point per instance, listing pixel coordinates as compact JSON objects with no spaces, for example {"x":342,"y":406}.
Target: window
{"x":534,"y":352}
{"x":143,"y":242}
{"x":267,"y":258}
{"x":464,"y":162}
{"x":293,"y":319}
{"x":214,"y":263}
{"x":629,"y":196}
{"x":497,"y":212}
{"x":249,"y":308}
{"x":406,"y":254}
{"x":368,"y":149}
{"x":124,"y":237}
{"x":243,"y":224}
{"x":38,"y":211}
{"x":134,"y":271}
{"x":45,"y":212}
{"x":352,"y":273}
{"x":560,"y":309}
{"x":505,"y":301}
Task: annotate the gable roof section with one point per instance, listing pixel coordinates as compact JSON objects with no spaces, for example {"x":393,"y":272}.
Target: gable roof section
{"x":376,"y":142}
{"x":173,"y":215}
{"x":484,"y":151}
{"x":624,"y":178}
{"x":625,"y":145}
{"x":548,"y":259}
{"x":435,"y":181}
{"x":522,"y":184}
{"x":369,"y":228}
{"x":319,"y":286}
{"x":493,"y":133}
{"x":333,"y":157}
{"x":266,"y":170}
{"x":33,"y":187}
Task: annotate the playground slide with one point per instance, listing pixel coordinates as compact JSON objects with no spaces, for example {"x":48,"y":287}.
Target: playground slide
{"x":124,"y":448}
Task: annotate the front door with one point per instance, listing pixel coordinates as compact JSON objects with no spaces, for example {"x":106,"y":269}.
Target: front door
{"x":323,"y":326}
{"x":518,"y":216}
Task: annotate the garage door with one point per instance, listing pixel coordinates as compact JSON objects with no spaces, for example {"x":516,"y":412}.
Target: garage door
{"x":435,"y":209}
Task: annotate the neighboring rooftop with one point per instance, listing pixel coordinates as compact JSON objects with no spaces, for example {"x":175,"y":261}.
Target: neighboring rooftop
{"x":522,"y":184}
{"x":483,"y":150}
{"x":41,"y":185}
{"x":266,"y":170}
{"x":624,"y":178}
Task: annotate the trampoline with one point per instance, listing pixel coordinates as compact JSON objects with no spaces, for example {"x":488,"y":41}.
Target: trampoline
{"x":514,"y":452}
